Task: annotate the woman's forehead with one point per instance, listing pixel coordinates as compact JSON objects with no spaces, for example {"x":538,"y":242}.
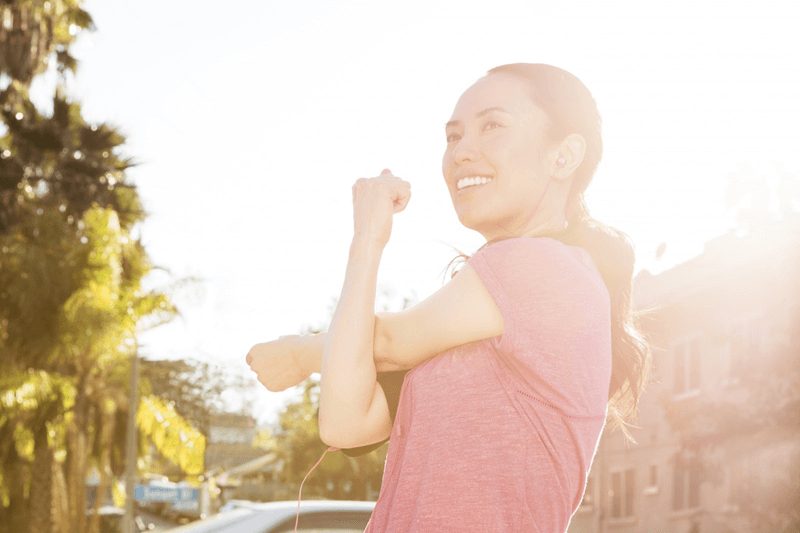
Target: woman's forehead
{"x":508,"y":93}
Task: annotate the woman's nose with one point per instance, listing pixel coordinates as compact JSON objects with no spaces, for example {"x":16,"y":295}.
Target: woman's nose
{"x":465,"y":150}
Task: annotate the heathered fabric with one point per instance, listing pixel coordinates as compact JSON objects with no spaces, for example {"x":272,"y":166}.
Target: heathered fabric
{"x":498,"y":435}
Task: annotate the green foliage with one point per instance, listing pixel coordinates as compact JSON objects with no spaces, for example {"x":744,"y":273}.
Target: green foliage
{"x":37,"y":29}
{"x":39,"y":270}
{"x":28,"y":400}
{"x":61,"y":162}
{"x":173,"y":437}
{"x":193,"y":387}
{"x":71,"y":303}
{"x":299,"y":446}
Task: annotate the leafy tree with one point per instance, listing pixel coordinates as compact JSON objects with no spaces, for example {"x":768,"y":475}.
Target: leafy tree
{"x":71,"y":302}
{"x":299,"y":447}
{"x":36,"y":29}
{"x":193,"y":387}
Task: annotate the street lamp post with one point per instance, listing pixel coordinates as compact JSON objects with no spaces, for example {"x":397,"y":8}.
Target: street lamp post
{"x":131,"y":449}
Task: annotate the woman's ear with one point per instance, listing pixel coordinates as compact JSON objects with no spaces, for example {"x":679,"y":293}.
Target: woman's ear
{"x":569,"y":156}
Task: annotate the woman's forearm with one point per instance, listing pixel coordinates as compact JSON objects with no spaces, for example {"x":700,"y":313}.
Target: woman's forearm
{"x":348,"y":371}
{"x":310,"y":352}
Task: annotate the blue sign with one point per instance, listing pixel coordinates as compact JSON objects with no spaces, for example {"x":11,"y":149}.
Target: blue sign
{"x":150,"y":493}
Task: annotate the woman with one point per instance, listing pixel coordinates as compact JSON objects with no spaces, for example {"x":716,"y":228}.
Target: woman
{"x":512,"y":376}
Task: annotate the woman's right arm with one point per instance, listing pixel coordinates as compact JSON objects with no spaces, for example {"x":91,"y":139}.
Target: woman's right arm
{"x":460,"y":312}
{"x":310,"y":353}
{"x":291,"y":359}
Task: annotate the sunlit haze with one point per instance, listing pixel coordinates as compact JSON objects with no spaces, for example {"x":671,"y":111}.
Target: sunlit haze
{"x":251,"y":120}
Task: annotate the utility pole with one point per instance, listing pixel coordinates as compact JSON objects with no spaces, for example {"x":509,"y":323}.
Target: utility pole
{"x":131,"y":449}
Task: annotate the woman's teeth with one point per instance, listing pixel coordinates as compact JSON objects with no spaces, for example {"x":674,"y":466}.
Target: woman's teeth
{"x":473,"y":180}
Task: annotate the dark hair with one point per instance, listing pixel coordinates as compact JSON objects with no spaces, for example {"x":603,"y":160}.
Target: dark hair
{"x":571,"y":109}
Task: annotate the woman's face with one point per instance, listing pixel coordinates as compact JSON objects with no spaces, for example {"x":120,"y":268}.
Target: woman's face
{"x":496,"y":135}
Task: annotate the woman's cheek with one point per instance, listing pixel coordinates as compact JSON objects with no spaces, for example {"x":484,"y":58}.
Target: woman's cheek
{"x":447,"y":163}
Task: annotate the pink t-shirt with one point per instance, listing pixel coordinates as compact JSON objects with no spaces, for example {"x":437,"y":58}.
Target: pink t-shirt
{"x":498,"y":435}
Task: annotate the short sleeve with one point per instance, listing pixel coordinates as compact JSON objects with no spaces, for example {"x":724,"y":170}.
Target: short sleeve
{"x":519,"y":274}
{"x":556,"y":320}
{"x":485,"y":263}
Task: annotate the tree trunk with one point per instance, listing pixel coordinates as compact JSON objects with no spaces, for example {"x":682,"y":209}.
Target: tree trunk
{"x":76,"y":479}
{"x":41,"y":483}
{"x":106,"y":434}
{"x":60,"y":500}
{"x":17,"y":511}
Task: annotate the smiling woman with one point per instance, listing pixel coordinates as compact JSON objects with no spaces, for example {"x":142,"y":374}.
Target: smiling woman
{"x":515,"y":364}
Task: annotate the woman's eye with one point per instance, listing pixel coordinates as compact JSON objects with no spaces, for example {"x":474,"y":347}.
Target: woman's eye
{"x":452,"y":137}
{"x":491,"y":126}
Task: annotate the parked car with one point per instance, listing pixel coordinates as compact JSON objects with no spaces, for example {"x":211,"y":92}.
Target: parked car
{"x":111,"y":520}
{"x":317,"y":516}
{"x":236,"y":504}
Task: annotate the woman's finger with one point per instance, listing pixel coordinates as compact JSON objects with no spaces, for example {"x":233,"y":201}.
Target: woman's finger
{"x":401,"y":200}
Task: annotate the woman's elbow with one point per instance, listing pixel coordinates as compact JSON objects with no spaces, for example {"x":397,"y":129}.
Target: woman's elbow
{"x":327,"y":434}
{"x":333,"y":429}
{"x":335,"y":436}
{"x":352,"y":432}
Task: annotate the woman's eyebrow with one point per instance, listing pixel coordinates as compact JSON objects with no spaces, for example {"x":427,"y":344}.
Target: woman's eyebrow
{"x":477,"y":115}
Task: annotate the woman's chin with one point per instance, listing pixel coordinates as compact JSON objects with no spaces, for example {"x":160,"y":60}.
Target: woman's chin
{"x":471,"y":222}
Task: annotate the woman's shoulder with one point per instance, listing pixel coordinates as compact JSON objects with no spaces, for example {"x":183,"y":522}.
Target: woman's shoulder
{"x":539,"y":249}
{"x":550,"y":258}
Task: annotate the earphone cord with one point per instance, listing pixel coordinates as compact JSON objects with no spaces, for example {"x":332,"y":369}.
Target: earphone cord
{"x":300,"y":495}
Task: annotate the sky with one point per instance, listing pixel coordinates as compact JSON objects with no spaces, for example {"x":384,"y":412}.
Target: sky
{"x":250,"y":122}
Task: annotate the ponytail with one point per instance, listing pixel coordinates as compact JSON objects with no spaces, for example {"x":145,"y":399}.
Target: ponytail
{"x":613,"y":255}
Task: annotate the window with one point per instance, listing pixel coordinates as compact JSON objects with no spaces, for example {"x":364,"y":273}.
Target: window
{"x":687,"y":366}
{"x":747,"y":343}
{"x":623,"y":489}
{"x":680,"y":368}
{"x":653,"y":475}
{"x":685,"y":484}
{"x":652,"y":486}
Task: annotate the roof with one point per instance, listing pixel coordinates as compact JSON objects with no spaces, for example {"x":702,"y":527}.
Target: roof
{"x":724,"y":260}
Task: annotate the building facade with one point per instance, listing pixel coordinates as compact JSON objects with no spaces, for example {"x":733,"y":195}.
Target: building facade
{"x":230,"y":441}
{"x":712,"y":435}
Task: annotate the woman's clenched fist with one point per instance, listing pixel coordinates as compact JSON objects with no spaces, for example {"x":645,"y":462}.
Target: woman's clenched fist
{"x":375,"y":201}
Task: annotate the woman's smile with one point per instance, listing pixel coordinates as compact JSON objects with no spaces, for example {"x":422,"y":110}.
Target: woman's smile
{"x":469,"y":184}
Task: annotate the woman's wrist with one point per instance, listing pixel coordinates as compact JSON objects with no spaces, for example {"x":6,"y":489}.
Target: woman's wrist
{"x":309,"y":356}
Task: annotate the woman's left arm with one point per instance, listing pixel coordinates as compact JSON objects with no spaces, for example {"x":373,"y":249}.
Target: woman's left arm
{"x":353,"y":408}
{"x":349,"y":393}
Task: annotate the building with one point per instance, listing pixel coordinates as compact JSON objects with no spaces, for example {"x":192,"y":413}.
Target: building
{"x":230,"y":441}
{"x":725,"y":327}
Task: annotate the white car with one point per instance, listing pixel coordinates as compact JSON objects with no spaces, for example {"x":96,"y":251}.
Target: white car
{"x":316,"y":516}
{"x":237,"y":504}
